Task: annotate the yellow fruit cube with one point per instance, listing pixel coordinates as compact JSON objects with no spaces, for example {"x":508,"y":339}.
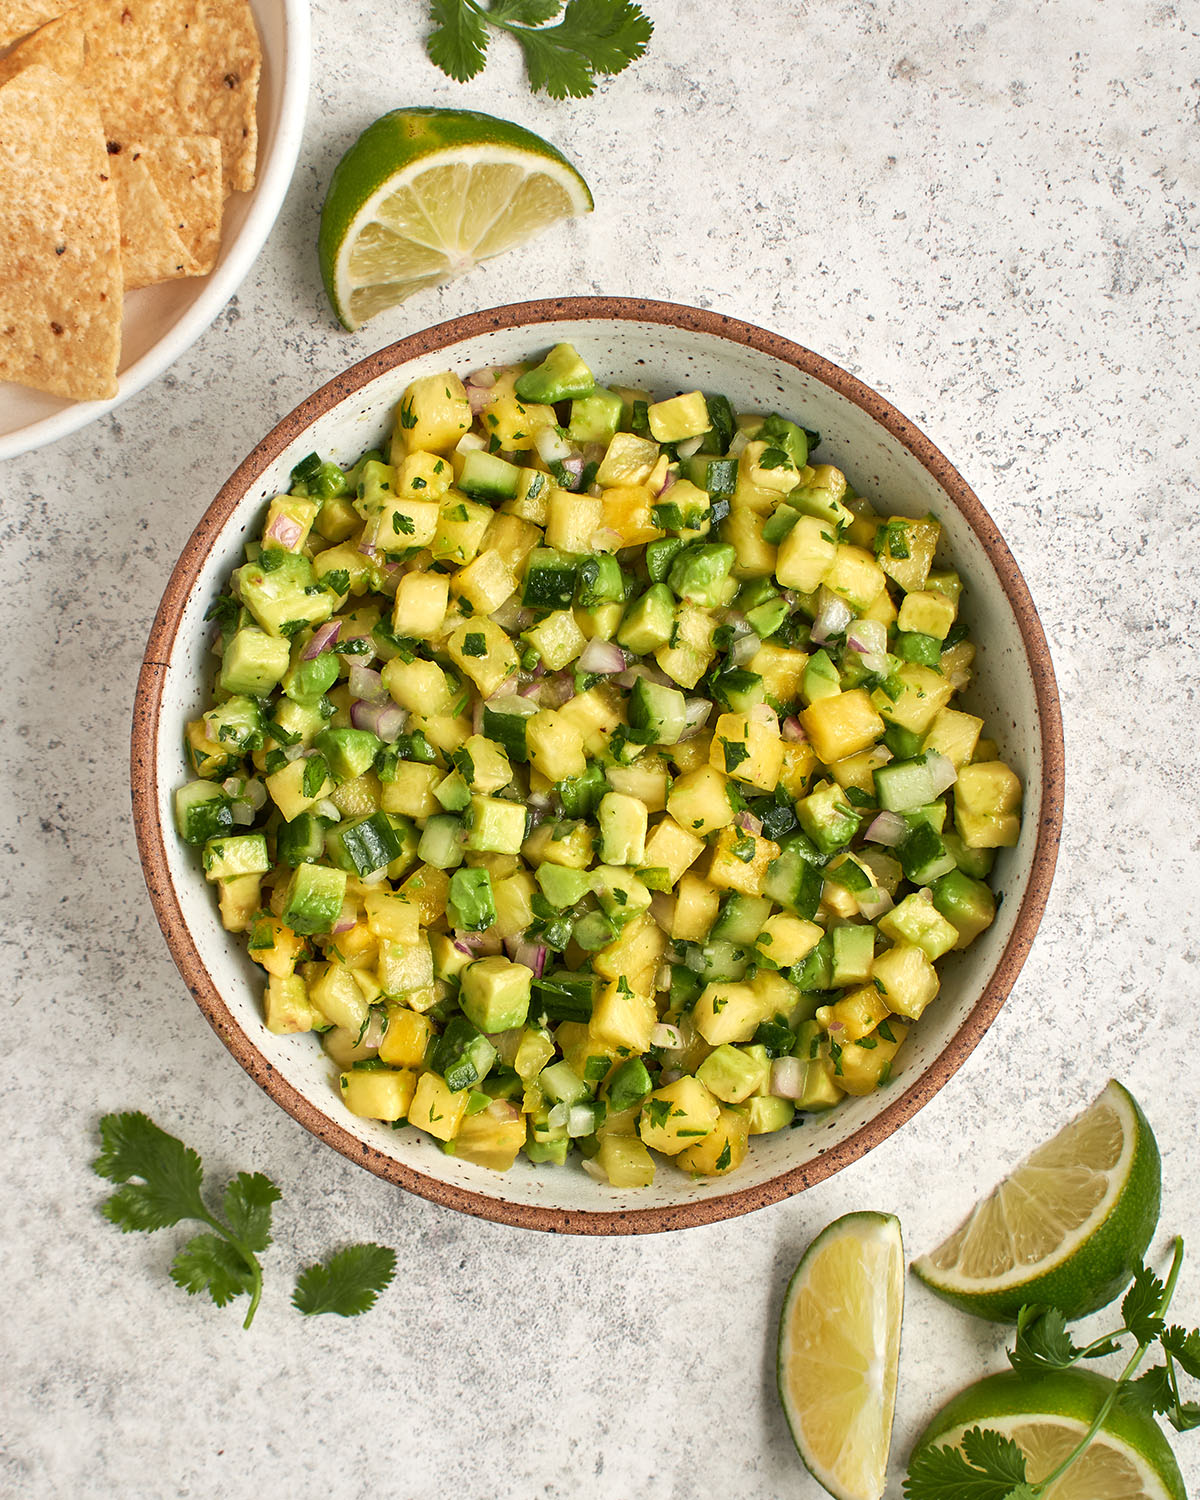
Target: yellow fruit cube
{"x":728,"y":1011}
{"x":513,"y":898}
{"x":555,"y":745}
{"x":908,"y":978}
{"x":286,"y":1006}
{"x":699,"y":801}
{"x":785,"y":939}
{"x":799,"y":762}
{"x":928,"y":612}
{"x":696,"y":904}
{"x":854,"y":1015}
{"x":428,"y":889}
{"x":806,"y":554}
{"x":634,"y":955}
{"x":917,"y":540}
{"x":418,"y":685}
{"x":842,"y":724}
{"x":679,"y":418}
{"x":623,"y":1017}
{"x":924,"y":693}
{"x":756,"y":558}
{"x":855,"y":576}
{"x":487,"y":582}
{"x":376,"y":1095}
{"x":493,"y":1137}
{"x":672,"y":848}
{"x":987,"y":801}
{"x":514,"y":423}
{"x":626,"y":510}
{"x":629,"y":460}
{"x":420,"y":606}
{"x":436,"y":1108}
{"x":425,"y":475}
{"x":411,"y":792}
{"x":406,"y":1039}
{"x":433,"y":413}
{"x":866,"y":1064}
{"x":574,"y":521}
{"x":722,"y":1150}
{"x":781,"y":671}
{"x":625,"y":1161}
{"x":954,"y":735}
{"x":676,"y":1116}
{"x":484,"y":653}
{"x":287,"y":788}
{"x":740,"y":860}
{"x":557,"y":639}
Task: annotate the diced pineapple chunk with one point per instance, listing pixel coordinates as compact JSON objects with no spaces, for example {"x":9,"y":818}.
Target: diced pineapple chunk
{"x":806,"y":554}
{"x":722,"y":1150}
{"x":841,"y":725}
{"x":928,"y":612}
{"x":728,"y":1011}
{"x":626,"y":510}
{"x":433,"y":413}
{"x":555,"y":745}
{"x":515,"y":423}
{"x":411,"y":793}
{"x":987,"y":801}
{"x":749,"y":749}
{"x":418,"y":685}
{"x":420,"y":607}
{"x":954,"y":735}
{"x":572,"y":521}
{"x":623,"y":1017}
{"x":699,"y":801}
{"x":679,"y":418}
{"x":436,"y":1108}
{"x":918,"y":539}
{"x":484,"y":653}
{"x":908,"y":978}
{"x":676,"y":1116}
{"x":855,"y":1014}
{"x":635,"y":955}
{"x":781,"y":671}
{"x":406,"y":1039}
{"x":378,"y":1095}
{"x":462,"y":525}
{"x":629,"y":460}
{"x":687,"y":655}
{"x":740,"y":860}
{"x":785,"y":939}
{"x":672,"y":848}
{"x":866,"y":1064}
{"x":624,"y":1159}
{"x":855,"y":576}
{"x":493,"y":1137}
{"x":924,"y":693}
{"x":286,"y":1006}
{"x":696,"y":904}
{"x":557,"y":639}
{"x":487,"y":582}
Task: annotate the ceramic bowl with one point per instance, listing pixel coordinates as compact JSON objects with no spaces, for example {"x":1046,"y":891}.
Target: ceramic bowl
{"x":665,"y":348}
{"x":162,"y":322}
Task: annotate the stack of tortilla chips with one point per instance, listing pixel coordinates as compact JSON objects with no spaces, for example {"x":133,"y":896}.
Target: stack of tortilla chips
{"x":124,"y":126}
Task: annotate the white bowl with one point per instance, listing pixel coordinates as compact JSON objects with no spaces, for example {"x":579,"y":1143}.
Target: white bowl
{"x":162,"y":321}
{"x":665,"y":348}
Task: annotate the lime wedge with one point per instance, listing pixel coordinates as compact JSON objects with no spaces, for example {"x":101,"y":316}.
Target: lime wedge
{"x":1067,"y":1229}
{"x":1047,"y":1416}
{"x":839,"y":1348}
{"x":425,"y":194}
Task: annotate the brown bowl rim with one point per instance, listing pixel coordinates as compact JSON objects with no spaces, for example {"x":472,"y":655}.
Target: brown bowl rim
{"x":166,"y":903}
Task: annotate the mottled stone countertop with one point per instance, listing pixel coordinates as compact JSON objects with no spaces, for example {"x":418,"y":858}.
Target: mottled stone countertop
{"x":989,"y":212}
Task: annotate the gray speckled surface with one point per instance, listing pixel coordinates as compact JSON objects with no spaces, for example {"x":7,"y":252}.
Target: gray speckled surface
{"x":989,"y":212}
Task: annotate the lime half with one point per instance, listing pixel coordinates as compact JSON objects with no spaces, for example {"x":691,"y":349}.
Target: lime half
{"x":1067,"y":1229}
{"x":1047,"y":1416}
{"x":425,"y":194}
{"x":839,"y":1348}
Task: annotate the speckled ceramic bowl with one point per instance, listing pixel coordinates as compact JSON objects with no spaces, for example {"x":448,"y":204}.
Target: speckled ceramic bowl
{"x":665,"y":348}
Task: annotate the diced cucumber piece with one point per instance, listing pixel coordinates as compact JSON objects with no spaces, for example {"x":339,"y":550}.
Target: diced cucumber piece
{"x":903,"y":785}
{"x":443,"y":842}
{"x":741,"y":919}
{"x":236,"y":854}
{"x":794,"y":879}
{"x":715,"y":960}
{"x":202,"y":811}
{"x":486,"y":477}
{"x":462,"y":1055}
{"x":580,"y":795}
{"x":924,"y":856}
{"x":815,"y":973}
{"x":564,"y":996}
{"x":561,"y":1084}
{"x":549,"y":580}
{"x":364,"y":845}
{"x":657,"y":715}
{"x":595,"y":417}
{"x":504,"y":720}
{"x":302,"y":841}
{"x":313,"y":898}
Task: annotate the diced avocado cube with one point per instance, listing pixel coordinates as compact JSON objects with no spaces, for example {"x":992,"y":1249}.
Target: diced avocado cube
{"x":202,"y":811}
{"x":593,"y":931}
{"x":974,"y":862}
{"x":780,"y":433}
{"x":580,"y":795}
{"x":649,"y":621}
{"x":852,"y":954}
{"x":307,"y":681}
{"x":820,"y":678}
{"x":453,"y":792}
{"x":657,"y":715}
{"x":925,"y":650}
{"x":236,"y":854}
{"x":363,"y":845}
{"x":623,"y":821}
{"x":701,"y":574}
{"x":563,"y":887}
{"x":629,"y":1085}
{"x":561,"y":376}
{"x":601,"y":581}
{"x":767,"y":618}
{"x":462,"y":1055}
{"x":661,"y":554}
{"x":495,"y":992}
{"x":732,"y":1074}
{"x":275,"y":589}
{"x":918,"y":921}
{"x":253,"y":662}
{"x":237,"y":724}
{"x":766,"y":1113}
{"x":496,"y":825}
{"x":348,"y":752}
{"x":595,"y":417}
{"x":471,"y":904}
{"x":966,"y":903}
{"x":313,"y":898}
{"x":827,"y":817}
{"x":621,"y":894}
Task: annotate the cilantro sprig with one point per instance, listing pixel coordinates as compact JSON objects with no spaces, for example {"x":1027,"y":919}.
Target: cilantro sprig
{"x":591,"y":39}
{"x":161,"y":1184}
{"x":989,"y":1466}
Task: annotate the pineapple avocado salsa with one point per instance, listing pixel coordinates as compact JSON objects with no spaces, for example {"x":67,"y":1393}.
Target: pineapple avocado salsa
{"x":586,"y":769}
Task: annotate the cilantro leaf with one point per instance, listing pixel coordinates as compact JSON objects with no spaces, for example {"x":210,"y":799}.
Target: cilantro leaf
{"x":209,"y":1263}
{"x":348,"y":1283}
{"x":1140,"y":1306}
{"x":1184,"y":1347}
{"x":459,"y":42}
{"x":1043,"y":1342}
{"x":593,"y":38}
{"x":248,"y":1200}
{"x":1151,"y":1391}
{"x":171,"y":1174}
{"x":988,"y":1467}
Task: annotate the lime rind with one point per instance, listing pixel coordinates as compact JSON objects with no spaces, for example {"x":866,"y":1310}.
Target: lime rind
{"x":1094,"y":1260}
{"x":388,"y":161}
{"x":874,"y":1240}
{"x":1010,"y":1402}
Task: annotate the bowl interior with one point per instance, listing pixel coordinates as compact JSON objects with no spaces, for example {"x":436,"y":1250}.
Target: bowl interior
{"x":161,"y":321}
{"x":664,"y":358}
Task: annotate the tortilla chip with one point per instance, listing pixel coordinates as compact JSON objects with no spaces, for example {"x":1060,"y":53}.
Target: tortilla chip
{"x":59,"y":46}
{"x":187,"y":173}
{"x":151,"y":247}
{"x":17,"y":17}
{"x":177,"y":67}
{"x":60,"y":258}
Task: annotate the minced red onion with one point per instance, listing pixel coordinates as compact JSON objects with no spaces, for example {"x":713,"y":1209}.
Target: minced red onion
{"x":532,"y":690}
{"x":368,"y":549}
{"x":941,"y":768}
{"x":604,"y":657}
{"x":740,"y":442}
{"x":322,"y":638}
{"x":327,"y":809}
{"x":595,"y":1171}
{"x":367,"y":684}
{"x":606,"y":540}
{"x":533,"y":956}
{"x":241,"y":813}
{"x":581,"y":1121}
{"x":485,"y":379}
{"x":696,"y":712}
{"x":284,"y":530}
{"x":833,"y":615}
{"x":346,"y":917}
{"x":748,"y":823}
{"x":793,"y":731}
{"x":787,"y":1077}
{"x":666,"y":1036}
{"x":293,"y":752}
{"x":763,"y":713}
{"x":387,"y":720}
{"x":374,"y":877}
{"x":744,"y":649}
{"x":690,"y":446}
{"x":670,"y":1075}
{"x":551,"y":448}
{"x":477,"y":398}
{"x":887,"y":828}
{"x":558,"y":689}
{"x":558,"y":1115}
{"x":869,"y":639}
{"x":477,"y":716}
{"x":477,"y":944}
{"x":874,"y":903}
{"x":959,"y":679}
